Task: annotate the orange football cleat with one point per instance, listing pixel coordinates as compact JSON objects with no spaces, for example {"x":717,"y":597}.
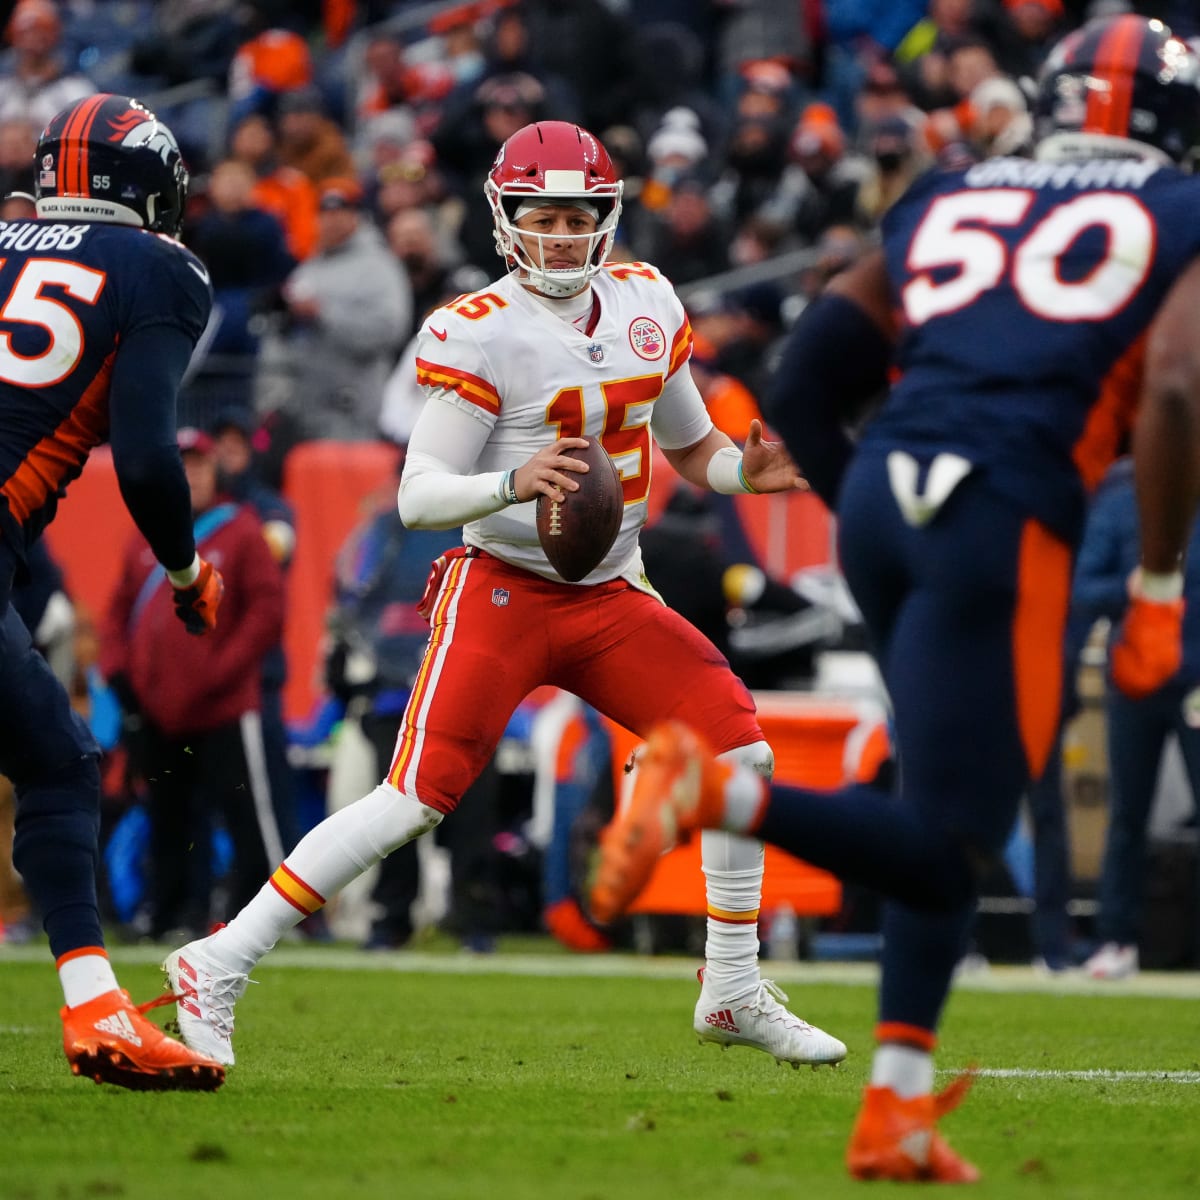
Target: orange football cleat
{"x":898,"y":1139}
{"x":565,"y":921}
{"x":109,"y":1040}
{"x":679,"y":788}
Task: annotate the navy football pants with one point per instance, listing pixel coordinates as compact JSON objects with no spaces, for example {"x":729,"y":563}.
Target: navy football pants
{"x":966,"y":616}
{"x":51,"y":757}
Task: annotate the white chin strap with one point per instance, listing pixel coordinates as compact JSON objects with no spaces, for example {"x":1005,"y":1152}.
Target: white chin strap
{"x":556,"y":283}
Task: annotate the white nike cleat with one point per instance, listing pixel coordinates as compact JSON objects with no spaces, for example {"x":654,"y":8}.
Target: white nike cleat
{"x":205,"y":993}
{"x":759,"y":1019}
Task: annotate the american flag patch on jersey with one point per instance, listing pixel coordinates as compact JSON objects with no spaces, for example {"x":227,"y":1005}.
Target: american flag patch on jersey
{"x":499,"y":597}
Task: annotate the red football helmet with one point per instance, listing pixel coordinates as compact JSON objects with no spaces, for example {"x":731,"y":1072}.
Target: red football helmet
{"x":545,"y":162}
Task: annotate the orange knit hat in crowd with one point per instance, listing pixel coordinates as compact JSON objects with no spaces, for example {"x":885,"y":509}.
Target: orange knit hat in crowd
{"x":818,"y":128}
{"x":279,"y":60}
{"x":340,"y":192}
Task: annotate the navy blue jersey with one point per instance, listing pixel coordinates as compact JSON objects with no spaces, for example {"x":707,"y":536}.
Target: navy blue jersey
{"x":1025,"y":290}
{"x":70,"y":296}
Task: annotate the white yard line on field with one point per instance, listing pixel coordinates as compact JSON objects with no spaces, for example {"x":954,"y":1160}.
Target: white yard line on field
{"x":1090,"y":1076}
{"x":1182,"y":985}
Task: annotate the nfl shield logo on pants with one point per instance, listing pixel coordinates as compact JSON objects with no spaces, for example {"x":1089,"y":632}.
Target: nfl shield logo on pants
{"x":499,"y":597}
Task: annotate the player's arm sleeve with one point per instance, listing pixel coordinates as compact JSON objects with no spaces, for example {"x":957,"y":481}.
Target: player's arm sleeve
{"x":679,"y":418}
{"x":145,"y":381}
{"x":834,"y":362}
{"x":436,"y":489}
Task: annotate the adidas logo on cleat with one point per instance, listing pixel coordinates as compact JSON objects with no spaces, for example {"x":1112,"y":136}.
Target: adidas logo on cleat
{"x":723,"y":1019}
{"x":120,"y":1026}
{"x":916,"y":1145}
{"x":187,"y":997}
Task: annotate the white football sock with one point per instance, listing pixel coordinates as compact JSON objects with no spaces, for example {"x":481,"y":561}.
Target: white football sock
{"x":327,"y":858}
{"x":905,"y":1069}
{"x":733,"y":872}
{"x":85,"y":976}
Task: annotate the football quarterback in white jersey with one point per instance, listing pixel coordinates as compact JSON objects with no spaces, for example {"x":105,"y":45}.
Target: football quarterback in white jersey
{"x":515,"y":376}
{"x":560,"y":350}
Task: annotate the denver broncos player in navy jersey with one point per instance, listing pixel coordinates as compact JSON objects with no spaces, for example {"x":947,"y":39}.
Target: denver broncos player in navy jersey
{"x":1023,"y":311}
{"x":100,"y":308}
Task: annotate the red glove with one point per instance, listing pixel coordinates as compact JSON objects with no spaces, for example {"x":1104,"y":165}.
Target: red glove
{"x":196,"y":605}
{"x":1149,"y":649}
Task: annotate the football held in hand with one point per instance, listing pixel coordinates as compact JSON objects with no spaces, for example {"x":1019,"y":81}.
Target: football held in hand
{"x":579,"y":530}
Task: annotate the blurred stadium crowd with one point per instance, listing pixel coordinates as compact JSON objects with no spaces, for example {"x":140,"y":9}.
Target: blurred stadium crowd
{"x":338,"y":152}
{"x":760,"y":140}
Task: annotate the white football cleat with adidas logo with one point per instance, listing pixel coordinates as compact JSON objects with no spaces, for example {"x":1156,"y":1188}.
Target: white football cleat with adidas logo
{"x":205,"y":993}
{"x":759,"y":1019}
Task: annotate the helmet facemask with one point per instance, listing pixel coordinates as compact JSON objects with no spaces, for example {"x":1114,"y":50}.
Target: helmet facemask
{"x":505,"y":201}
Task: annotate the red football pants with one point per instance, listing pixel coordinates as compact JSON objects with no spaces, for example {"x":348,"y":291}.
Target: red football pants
{"x":498,"y":632}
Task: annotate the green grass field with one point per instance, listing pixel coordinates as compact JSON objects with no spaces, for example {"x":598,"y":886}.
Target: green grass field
{"x":529,"y":1075}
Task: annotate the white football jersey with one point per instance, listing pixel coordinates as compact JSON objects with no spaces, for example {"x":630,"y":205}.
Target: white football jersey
{"x":533,"y":378}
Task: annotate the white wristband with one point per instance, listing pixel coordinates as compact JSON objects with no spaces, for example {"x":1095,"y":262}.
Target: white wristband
{"x":1160,"y":587}
{"x":508,"y":488}
{"x":724,"y":472}
{"x":186,"y":577}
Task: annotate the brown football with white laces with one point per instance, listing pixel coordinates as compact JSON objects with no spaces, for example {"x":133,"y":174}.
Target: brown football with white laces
{"x":579,"y":530}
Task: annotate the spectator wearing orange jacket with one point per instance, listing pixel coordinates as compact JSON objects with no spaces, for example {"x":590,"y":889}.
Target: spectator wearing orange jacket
{"x":266,"y":67}
{"x":285,"y":192}
{"x":309,"y":140}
